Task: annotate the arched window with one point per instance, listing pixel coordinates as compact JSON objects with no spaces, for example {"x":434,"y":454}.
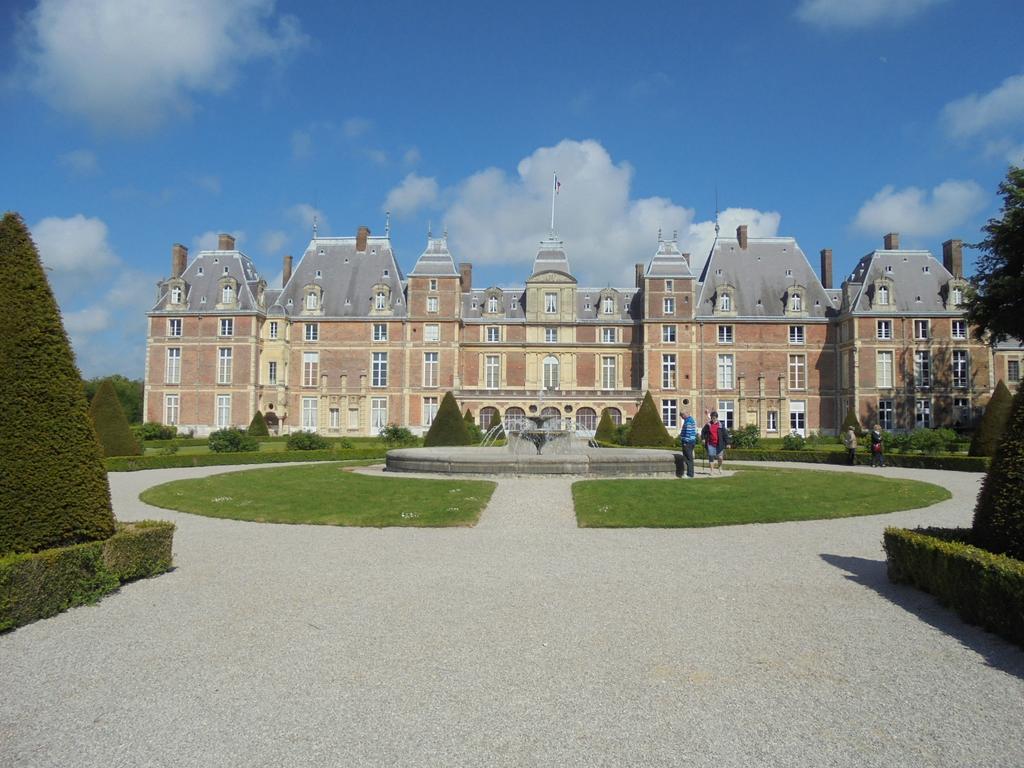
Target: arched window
{"x":725,"y":302}
{"x":380,"y":300}
{"x":488,"y":417}
{"x":958,"y":296}
{"x":492,"y":304}
{"x":176,"y":295}
{"x":586,"y":418}
{"x":550,"y":413}
{"x":550,"y":372}
{"x":608,"y":305}
{"x":311,"y":300}
{"x":515,"y":417}
{"x":883,"y":295}
{"x":227,"y":294}
{"x":796,"y":302}
{"x":615,"y":415}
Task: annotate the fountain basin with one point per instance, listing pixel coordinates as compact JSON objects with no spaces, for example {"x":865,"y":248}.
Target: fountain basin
{"x":587,"y":462}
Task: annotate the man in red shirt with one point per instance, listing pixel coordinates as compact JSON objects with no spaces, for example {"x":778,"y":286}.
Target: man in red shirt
{"x":715,"y":437}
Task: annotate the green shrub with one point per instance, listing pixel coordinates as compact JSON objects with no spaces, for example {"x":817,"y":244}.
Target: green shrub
{"x":983,"y":588}
{"x":621,"y":434}
{"x":342,"y":443}
{"x":851,"y":420}
{"x":794,"y":441}
{"x":166,"y":450}
{"x":116,"y":438}
{"x":605,"y":428}
{"x":748,"y":437}
{"x":153,"y":430}
{"x":53,"y":487}
{"x":307,"y":441}
{"x":394,"y":436}
{"x":647,"y":427}
{"x":258,"y":425}
{"x":448,"y":428}
{"x":999,"y":513}
{"x":37,"y":585}
{"x":136,"y":463}
{"x":986,"y":437}
{"x":232,"y":440}
{"x":954,"y":463}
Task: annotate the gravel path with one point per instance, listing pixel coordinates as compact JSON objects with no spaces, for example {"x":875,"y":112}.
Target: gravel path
{"x":522,"y":642}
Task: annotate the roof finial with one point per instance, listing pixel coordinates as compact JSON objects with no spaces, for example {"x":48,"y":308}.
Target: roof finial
{"x":659,"y":234}
{"x":446,"y":232}
{"x":314,"y":226}
{"x":675,"y":235}
{"x":716,"y":210}
{"x":387,"y":223}
{"x":430,"y":229}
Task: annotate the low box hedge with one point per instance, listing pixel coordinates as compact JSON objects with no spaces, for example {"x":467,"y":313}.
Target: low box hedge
{"x":983,"y":588}
{"x":40,"y":584}
{"x":952,"y":462}
{"x":135,"y":463}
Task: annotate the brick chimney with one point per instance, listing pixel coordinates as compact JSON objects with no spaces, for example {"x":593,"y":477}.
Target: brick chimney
{"x":361,"y":236}
{"x":286,"y":271}
{"x":638,"y":273}
{"x":826,"y":267}
{"x":892,"y":241}
{"x":466,"y":276}
{"x":179,"y":259}
{"x":741,"y":235}
{"x":225,"y":242}
{"x":953,"y":257}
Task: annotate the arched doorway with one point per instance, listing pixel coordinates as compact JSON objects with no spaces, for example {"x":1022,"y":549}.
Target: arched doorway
{"x":488,"y":416}
{"x":586,"y":419}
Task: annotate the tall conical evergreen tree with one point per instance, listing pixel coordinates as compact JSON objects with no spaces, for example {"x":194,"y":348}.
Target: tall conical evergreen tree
{"x":851,"y":420}
{"x":54,"y":487}
{"x":112,"y":428}
{"x":647,"y":427}
{"x":999,"y":514}
{"x":986,"y":437}
{"x":258,"y":426}
{"x":449,"y":427}
{"x":605,"y":428}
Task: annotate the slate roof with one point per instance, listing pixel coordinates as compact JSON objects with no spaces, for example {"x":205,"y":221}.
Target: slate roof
{"x":436,"y":260}
{"x":202,"y":279}
{"x":919,"y":280}
{"x":669,"y":261}
{"x":763,"y":271}
{"x":346,"y":277}
{"x":551,"y":256}
{"x":475,"y":301}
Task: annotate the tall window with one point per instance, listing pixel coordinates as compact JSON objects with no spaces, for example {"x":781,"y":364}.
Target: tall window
{"x":223,"y":411}
{"x":173,"y":365}
{"x":310,"y":369}
{"x":668,"y":371}
{"x":959,"y":329}
{"x":884,"y":330}
{"x":430,"y":369}
{"x":379,"y":373}
{"x":309,"y":416}
{"x":433,"y":283}
{"x":550,"y":302}
{"x":920,"y":329}
{"x":1013,"y":370}
{"x":668,"y":334}
{"x":380,"y":331}
{"x":493,"y":333}
{"x":432,"y":304}
{"x":923,"y":414}
{"x":492,"y":303}
{"x":960,"y":368}
{"x":551,"y":372}
{"x":922,"y":368}
{"x":797,"y":371}
{"x":772,"y":424}
{"x":431,"y":332}
{"x":335,"y":418}
{"x":272,"y":372}
{"x":311,"y":300}
{"x":608,"y":372}
{"x":312,"y":332}
{"x":609,"y":335}
{"x":607,"y":305}
{"x":796,"y":302}
{"x":798,"y":416}
{"x":796,"y":334}
{"x":227,"y":295}
{"x":725,"y":335}
{"x":668,"y":305}
{"x":171,"y":409}
{"x":882,"y":295}
{"x":378,"y":413}
{"x":429,"y":410}
{"x":175,"y":295}
{"x":272,"y":332}
{"x":669,"y":410}
{"x":726,"y":413}
{"x":174,"y":326}
{"x":886,"y":417}
{"x":227,"y":326}
{"x":224,"y":365}
{"x":670,"y":286}
{"x":380,"y":300}
{"x":492,"y":371}
{"x":956,"y":297}
{"x":883,"y":369}
{"x":551,"y":335}
{"x":726,"y":372}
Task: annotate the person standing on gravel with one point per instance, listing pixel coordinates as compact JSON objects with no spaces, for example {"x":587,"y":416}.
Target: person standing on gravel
{"x":688,"y":440}
{"x":850,"y":441}
{"x":715,"y":437}
{"x":877,"y":456}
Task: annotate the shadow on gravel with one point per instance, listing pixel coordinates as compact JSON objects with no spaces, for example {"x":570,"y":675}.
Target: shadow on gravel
{"x":872,"y":573}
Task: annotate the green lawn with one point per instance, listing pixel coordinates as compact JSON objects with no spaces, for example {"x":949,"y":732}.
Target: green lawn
{"x":326,"y":494}
{"x":749,"y":496}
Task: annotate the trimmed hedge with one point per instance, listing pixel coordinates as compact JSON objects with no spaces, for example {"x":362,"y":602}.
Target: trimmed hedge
{"x":956,"y":463}
{"x":112,"y":428}
{"x":999,"y":513}
{"x":983,"y":588}
{"x":135,"y":463}
{"x":647,"y":428}
{"x":258,"y":425}
{"x":448,"y":427}
{"x":990,"y":431}
{"x":37,"y":585}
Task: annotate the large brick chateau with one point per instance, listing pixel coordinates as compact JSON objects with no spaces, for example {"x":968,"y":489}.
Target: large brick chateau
{"x":350,"y":343}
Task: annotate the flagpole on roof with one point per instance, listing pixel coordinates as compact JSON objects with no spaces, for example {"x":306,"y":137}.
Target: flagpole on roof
{"x":554,"y":191}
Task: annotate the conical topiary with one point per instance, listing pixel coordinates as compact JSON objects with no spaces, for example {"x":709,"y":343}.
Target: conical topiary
{"x":258,"y":426}
{"x":605,"y":428}
{"x":116,"y":438}
{"x":647,"y":427}
{"x":999,"y":514}
{"x":851,"y":420}
{"x":986,"y":437}
{"x":449,"y":428}
{"x":468,"y":417}
{"x":54,"y":489}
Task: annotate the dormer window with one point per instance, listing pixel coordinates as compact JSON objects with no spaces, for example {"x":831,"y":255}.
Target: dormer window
{"x":225,"y":269}
{"x":380,"y":300}
{"x":789,"y":273}
{"x":926,"y":268}
{"x":199,"y":271}
{"x":796,"y":302}
{"x":311,"y":301}
{"x":386,"y":273}
{"x":176,"y":294}
{"x":608,"y":305}
{"x":888,"y":268}
{"x":956,"y":297}
{"x":882,"y":295}
{"x":492,"y":304}
{"x":725,"y":302}
{"x":319,"y":274}
{"x":227,"y":294}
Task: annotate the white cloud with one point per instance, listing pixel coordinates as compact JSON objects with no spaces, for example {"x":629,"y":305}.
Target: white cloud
{"x":377,"y":156}
{"x":209,"y":240}
{"x":89,"y":320}
{"x":1001,"y":107}
{"x":412,"y":156}
{"x":495,"y":218}
{"x":916,"y":212}
{"x":74,"y":246}
{"x":80,"y":162}
{"x":304,"y":214}
{"x":273,"y":242}
{"x":354,"y":127}
{"x":859,"y":13}
{"x":415,"y":192}
{"x":125,"y":65}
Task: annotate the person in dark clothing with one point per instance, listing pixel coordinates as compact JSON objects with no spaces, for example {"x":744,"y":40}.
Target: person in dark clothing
{"x":688,"y":440}
{"x":715,"y":437}
{"x":877,"y":454}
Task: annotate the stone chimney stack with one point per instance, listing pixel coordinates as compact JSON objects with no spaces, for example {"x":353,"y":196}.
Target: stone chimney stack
{"x":286,"y":271}
{"x":741,"y":235}
{"x":953,"y":257}
{"x":179,"y":259}
{"x":892,"y":241}
{"x":225,"y":242}
{"x":361,"y":236}
{"x":466,"y":276}
{"x":638,"y":273}
{"x":826,"y":267}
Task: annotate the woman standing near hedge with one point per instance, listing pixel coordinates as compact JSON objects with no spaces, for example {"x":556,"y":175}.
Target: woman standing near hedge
{"x":850,"y":441}
{"x":877,"y":457}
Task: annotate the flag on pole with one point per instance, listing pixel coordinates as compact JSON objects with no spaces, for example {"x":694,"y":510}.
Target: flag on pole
{"x":558,"y":184}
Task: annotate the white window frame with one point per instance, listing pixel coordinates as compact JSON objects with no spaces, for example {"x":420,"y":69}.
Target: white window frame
{"x":609,"y":335}
{"x":922,"y":330}
{"x":550,"y":303}
{"x":668,"y":334}
{"x":550,"y":335}
{"x":172,"y":409}
{"x":227,"y":294}
{"x":224,"y":365}
{"x":378,"y":413}
{"x":431,"y":332}
{"x":380,"y":331}
{"x":311,"y":332}
{"x":1013,"y":371}
{"x":176,"y":295}
{"x":726,"y":371}
{"x":227,"y":326}
{"x":668,"y":305}
{"x":727,"y":413}
{"x":222,"y":416}
{"x":772,"y":421}
{"x":882,"y":296}
{"x":922,"y":369}
{"x":922,"y":413}
{"x":310,"y":416}
{"x":172,"y":374}
{"x":430,"y":406}
{"x":797,"y":372}
{"x":492,"y":304}
{"x":431,"y":369}
{"x":725,"y":302}
{"x":492,"y":371}
{"x":334,"y":415}
{"x":551,"y":369}
{"x":609,"y":371}
{"x":607,"y":306}
{"x":432,"y":284}
{"x":432,"y":304}
{"x":798,"y":417}
{"x":272,"y":372}
{"x":493,"y":334}
{"x":797,"y":334}
{"x":726,"y":334}
{"x":883,"y":330}
{"x":310,"y":369}
{"x":669,"y":412}
{"x":311,"y":300}
{"x":886,"y":413}
{"x":379,"y":369}
{"x":958,"y":330}
{"x":669,"y":372}
{"x":961,"y":363}
{"x":272,"y":330}
{"x":174,"y":327}
{"x":884,"y":370}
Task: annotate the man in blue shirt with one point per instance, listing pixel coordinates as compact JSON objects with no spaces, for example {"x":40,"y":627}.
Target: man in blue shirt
{"x":688,"y":439}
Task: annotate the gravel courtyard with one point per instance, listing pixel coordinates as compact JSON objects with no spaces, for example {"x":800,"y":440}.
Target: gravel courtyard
{"x":521,"y":642}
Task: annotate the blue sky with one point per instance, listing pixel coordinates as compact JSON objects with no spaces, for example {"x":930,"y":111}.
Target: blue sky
{"x":142,"y":124}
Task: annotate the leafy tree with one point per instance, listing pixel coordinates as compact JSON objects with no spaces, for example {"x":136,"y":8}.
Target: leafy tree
{"x":449,"y":428}
{"x":851,"y":420}
{"x":986,"y":437}
{"x":232,"y":440}
{"x":995,"y":306}
{"x":112,"y":427}
{"x":999,"y":514}
{"x":54,"y":488}
{"x":396,"y":436}
{"x":258,"y":425}
{"x":306,"y":441}
{"x":605,"y":428}
{"x":748,"y":437}
{"x":129,"y":392}
{"x":647,"y":427}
